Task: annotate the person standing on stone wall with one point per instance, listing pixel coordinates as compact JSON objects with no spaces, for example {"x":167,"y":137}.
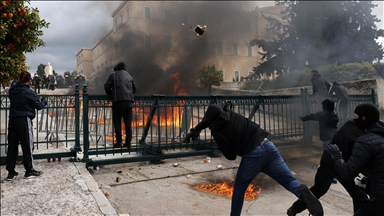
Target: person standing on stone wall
{"x":342,"y":99}
{"x":320,"y":87}
{"x":24,"y":102}
{"x":121,"y":86}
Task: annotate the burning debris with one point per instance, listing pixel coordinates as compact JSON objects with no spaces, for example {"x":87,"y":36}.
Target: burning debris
{"x":226,"y":189}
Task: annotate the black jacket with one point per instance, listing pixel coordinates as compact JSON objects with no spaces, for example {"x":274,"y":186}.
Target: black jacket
{"x":319,"y":85}
{"x":24,"y":101}
{"x":367,"y":158}
{"x":327,"y":123}
{"x":233,"y":133}
{"x":341,"y":93}
{"x":120,"y":85}
{"x":345,"y":139}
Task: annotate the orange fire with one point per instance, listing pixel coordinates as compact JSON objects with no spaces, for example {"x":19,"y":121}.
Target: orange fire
{"x":101,"y":120}
{"x":178,"y":86}
{"x":226,"y":189}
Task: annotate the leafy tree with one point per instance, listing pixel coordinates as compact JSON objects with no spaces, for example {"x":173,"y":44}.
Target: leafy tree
{"x":20,"y":29}
{"x":316,"y":33}
{"x":209,"y":75}
{"x":40,"y":70}
{"x":60,"y":81}
{"x":379,"y":66}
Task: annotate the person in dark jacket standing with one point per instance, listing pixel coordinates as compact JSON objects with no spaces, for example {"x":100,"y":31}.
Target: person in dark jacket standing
{"x":320,"y":87}
{"x":344,"y":138}
{"x":24,"y":101}
{"x":327,"y":119}
{"x":342,"y":99}
{"x":235,"y":136}
{"x":122,"y":87}
{"x":367,"y":158}
{"x":36,"y":83}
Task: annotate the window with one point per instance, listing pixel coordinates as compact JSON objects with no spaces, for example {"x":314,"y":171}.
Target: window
{"x":236,"y":76}
{"x":115,"y":24}
{"x":167,"y":15}
{"x":167,"y":43}
{"x":223,"y":75}
{"x":147,"y":41}
{"x":234,"y":47}
{"x":220,"y":47}
{"x":127,"y":14}
{"x":147,"y":13}
{"x":249,"y":50}
{"x":121,"y":19}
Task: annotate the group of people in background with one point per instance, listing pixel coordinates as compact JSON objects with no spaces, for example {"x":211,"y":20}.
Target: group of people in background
{"x":47,"y":82}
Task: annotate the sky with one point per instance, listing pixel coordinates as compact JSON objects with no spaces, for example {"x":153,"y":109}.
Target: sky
{"x":77,"y":24}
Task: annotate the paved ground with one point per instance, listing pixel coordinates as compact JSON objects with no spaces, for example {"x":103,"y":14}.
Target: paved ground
{"x":67,"y":188}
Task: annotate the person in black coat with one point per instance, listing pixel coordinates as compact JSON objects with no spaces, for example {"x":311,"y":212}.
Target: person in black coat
{"x":320,"y":87}
{"x":121,"y":86}
{"x":367,"y":158}
{"x":24,"y":102}
{"x":235,"y":136}
{"x":342,"y":99}
{"x":344,"y":138}
{"x":327,"y":119}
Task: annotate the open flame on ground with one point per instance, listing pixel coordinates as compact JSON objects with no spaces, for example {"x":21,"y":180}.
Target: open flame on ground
{"x":226,"y":189}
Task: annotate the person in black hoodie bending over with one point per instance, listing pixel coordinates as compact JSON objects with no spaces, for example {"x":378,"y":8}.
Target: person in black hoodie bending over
{"x":236,"y":135}
{"x":24,"y":101}
{"x":367,"y":158}
{"x":121,"y":86}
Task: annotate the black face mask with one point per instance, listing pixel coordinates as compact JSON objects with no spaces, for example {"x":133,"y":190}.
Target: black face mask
{"x":362,"y":125}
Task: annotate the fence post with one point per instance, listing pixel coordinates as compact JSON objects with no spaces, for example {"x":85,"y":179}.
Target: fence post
{"x":85,"y":124}
{"x":77,"y":147}
{"x":305,"y":108}
{"x":373,"y":95}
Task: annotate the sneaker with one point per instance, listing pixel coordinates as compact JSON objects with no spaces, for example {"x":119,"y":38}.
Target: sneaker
{"x":291,"y":211}
{"x":117,"y":145}
{"x":313,"y":204}
{"x":11,"y":176}
{"x":32,"y":174}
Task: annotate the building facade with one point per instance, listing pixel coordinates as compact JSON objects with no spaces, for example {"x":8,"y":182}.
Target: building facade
{"x":166,"y":28}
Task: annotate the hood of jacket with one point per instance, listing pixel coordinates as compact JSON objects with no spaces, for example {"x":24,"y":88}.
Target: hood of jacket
{"x":377,"y":128}
{"x":18,"y":88}
{"x":120,"y":66}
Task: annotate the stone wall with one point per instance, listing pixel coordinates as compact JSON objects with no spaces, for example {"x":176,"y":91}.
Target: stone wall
{"x":354,"y":87}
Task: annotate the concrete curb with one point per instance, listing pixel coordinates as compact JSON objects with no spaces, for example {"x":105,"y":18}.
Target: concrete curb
{"x":103,"y":203}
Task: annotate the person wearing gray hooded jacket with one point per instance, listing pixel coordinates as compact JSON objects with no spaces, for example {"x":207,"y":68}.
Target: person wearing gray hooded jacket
{"x":121,"y":87}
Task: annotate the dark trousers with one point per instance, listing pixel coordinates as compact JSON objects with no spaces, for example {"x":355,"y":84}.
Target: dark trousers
{"x":37,"y":89}
{"x":20,"y":131}
{"x":123,"y":110}
{"x":323,"y":181}
{"x":371,"y":208}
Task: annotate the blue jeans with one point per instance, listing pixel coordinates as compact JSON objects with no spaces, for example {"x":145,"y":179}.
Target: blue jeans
{"x":267,"y":159}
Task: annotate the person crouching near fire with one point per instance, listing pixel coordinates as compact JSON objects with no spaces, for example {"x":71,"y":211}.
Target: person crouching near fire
{"x":236,"y":135}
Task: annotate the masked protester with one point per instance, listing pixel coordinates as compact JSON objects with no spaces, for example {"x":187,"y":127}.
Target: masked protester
{"x":235,"y":136}
{"x":367,"y":158}
{"x":24,"y":101}
{"x":342,"y":99}
{"x":344,"y":138}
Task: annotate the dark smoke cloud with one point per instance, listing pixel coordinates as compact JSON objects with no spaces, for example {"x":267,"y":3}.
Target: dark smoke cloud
{"x":190,"y":52}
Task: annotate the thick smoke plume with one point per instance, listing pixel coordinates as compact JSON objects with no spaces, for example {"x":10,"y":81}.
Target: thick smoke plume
{"x":151,"y":67}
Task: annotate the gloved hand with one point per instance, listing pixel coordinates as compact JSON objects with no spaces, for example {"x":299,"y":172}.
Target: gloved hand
{"x":193,"y":133}
{"x":361,"y":181}
{"x":334,"y":151}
